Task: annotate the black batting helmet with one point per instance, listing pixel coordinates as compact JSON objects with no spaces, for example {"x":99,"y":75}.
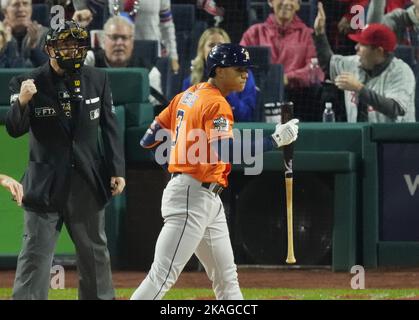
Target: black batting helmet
{"x":227,"y":55}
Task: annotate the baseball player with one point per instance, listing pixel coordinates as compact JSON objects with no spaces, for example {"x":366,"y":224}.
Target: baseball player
{"x":194,"y":219}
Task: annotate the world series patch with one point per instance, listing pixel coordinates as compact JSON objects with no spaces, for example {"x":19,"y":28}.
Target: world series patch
{"x":221,"y":124}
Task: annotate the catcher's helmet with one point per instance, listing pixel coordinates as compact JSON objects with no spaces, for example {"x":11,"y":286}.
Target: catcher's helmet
{"x":70,"y":44}
{"x":227,"y":55}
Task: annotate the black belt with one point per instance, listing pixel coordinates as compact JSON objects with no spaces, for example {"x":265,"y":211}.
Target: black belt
{"x":213,"y":187}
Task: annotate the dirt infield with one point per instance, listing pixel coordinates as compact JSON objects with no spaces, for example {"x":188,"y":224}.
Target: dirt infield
{"x":265,"y":278}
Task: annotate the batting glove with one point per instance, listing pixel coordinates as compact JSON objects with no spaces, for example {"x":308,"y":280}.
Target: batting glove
{"x":286,"y":133}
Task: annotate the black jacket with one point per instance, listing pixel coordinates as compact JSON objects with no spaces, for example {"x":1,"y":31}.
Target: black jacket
{"x":134,"y":62}
{"x":56,"y":149}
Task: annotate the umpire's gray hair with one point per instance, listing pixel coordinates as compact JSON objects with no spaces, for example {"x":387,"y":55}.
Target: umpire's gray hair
{"x":115,"y":20}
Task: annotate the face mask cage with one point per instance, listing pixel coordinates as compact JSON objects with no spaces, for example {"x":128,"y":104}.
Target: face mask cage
{"x":65,"y":52}
{"x":70,"y":47}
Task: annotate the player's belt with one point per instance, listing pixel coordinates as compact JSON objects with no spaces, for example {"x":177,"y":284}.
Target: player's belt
{"x":213,"y":187}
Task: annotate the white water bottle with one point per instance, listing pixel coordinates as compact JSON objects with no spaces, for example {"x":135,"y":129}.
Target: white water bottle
{"x":328,"y":113}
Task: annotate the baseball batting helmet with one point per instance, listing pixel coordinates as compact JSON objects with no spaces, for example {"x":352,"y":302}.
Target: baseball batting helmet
{"x":227,"y":55}
{"x":70,"y":44}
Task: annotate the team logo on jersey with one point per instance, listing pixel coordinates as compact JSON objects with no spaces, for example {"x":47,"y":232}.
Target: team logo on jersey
{"x":45,"y":112}
{"x":189,"y":99}
{"x":94,"y":114}
{"x":221,"y":124}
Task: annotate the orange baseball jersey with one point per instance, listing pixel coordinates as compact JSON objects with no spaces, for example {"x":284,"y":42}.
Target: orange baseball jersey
{"x":196,"y":117}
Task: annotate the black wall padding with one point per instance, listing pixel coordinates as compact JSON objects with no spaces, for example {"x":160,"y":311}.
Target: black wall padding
{"x":260,"y":225}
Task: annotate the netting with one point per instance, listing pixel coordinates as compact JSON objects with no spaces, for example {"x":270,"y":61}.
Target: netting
{"x":300,"y":78}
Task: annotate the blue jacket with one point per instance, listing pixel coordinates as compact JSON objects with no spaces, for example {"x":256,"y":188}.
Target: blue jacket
{"x":242,"y":103}
{"x":9,"y":57}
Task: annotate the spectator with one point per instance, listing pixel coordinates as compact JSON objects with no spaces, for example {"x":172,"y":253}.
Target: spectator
{"x":28,"y":35}
{"x":396,"y":4}
{"x":215,"y":13}
{"x":338,"y":29}
{"x":404,"y":22}
{"x":292,"y":46}
{"x":153,"y":21}
{"x":90,"y":14}
{"x":8,"y":51}
{"x":289,"y":39}
{"x":242,"y":103}
{"x":66,"y":4}
{"x":339,"y":16}
{"x":378,"y":87}
{"x":212,"y":13}
{"x":117,"y":52}
{"x":14,"y":187}
{"x":344,"y":25}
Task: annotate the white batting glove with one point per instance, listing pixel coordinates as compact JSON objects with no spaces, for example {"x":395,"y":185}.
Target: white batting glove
{"x":286,"y":133}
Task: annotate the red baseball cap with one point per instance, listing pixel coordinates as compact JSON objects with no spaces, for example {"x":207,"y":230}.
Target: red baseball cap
{"x":378,"y":35}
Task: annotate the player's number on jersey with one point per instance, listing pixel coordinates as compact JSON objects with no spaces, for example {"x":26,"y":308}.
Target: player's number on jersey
{"x":179,"y":119}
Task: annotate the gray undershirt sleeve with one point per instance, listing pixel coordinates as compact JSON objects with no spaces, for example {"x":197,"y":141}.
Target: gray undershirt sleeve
{"x":324,"y":52}
{"x":376,"y":11}
{"x":384,"y":105}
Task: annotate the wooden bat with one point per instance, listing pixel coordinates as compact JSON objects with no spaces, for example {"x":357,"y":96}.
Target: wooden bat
{"x":287,"y":113}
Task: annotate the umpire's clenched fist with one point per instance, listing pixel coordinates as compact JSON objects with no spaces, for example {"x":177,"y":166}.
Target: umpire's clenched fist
{"x":27,"y":90}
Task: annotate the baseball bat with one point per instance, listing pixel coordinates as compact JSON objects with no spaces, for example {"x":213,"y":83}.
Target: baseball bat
{"x":287,"y":113}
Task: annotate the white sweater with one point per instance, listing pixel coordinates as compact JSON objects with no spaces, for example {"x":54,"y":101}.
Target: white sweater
{"x":154,"y":22}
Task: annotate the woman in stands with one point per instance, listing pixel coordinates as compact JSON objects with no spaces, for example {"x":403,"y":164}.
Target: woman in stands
{"x":291,"y":44}
{"x":243,"y":103}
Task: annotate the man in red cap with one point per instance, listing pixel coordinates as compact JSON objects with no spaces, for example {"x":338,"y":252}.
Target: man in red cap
{"x":378,"y":87}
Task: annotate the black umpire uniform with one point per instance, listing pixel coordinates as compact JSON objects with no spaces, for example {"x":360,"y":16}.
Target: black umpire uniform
{"x":67,"y":179}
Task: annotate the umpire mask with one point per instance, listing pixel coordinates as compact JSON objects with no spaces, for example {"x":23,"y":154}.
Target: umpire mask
{"x":69,"y":44}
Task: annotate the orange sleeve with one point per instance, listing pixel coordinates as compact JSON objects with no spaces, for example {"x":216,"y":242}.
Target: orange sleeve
{"x":164,"y":117}
{"x":218,"y":121}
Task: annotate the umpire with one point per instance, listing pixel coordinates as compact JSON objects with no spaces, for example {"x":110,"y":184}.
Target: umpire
{"x":72,"y":173}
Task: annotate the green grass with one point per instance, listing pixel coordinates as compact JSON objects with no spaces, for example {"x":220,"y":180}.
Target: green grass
{"x":255,"y":294}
